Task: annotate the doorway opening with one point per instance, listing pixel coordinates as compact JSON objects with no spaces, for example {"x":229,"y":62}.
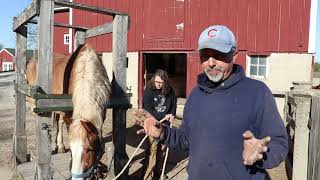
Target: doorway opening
{"x":174,"y":63}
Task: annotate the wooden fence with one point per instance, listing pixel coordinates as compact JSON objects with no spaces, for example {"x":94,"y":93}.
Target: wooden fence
{"x":302,"y":116}
{"x":48,"y":102}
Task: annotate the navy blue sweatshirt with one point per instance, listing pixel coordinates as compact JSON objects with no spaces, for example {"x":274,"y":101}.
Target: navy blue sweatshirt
{"x":215,"y":119}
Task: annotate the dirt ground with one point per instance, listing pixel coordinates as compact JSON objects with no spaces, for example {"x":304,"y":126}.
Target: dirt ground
{"x":176,"y":162}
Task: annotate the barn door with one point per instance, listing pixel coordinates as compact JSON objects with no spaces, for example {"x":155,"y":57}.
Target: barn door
{"x":163,"y":20}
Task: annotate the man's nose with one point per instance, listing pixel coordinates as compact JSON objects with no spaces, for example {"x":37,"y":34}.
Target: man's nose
{"x":211,"y":62}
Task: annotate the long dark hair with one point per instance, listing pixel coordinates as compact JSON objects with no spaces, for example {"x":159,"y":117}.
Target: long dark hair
{"x":164,"y":76}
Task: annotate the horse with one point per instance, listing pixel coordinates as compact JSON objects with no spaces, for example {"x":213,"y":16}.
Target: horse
{"x":85,"y":77}
{"x":58,"y":70}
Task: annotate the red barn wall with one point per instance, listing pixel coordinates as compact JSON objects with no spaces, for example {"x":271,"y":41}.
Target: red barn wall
{"x":58,"y":40}
{"x":259,"y":25}
{"x":7,"y":57}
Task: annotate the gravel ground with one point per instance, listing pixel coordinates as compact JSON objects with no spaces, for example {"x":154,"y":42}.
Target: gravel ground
{"x":176,"y":170}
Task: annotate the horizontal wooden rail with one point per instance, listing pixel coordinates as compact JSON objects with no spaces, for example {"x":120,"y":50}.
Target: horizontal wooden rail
{"x":30,"y":12}
{"x":83,"y":28}
{"x":48,"y":105}
{"x":99,"y":30}
{"x":280,"y":94}
{"x":88,"y":8}
{"x":63,"y":102}
{"x":31,"y":91}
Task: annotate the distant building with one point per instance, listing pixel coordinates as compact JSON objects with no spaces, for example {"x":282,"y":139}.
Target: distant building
{"x":7,"y":59}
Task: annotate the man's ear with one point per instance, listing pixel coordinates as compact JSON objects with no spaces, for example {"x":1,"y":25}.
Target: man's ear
{"x":234,"y":57}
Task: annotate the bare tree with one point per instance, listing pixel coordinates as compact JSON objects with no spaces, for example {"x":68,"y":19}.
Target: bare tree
{"x":32,"y":36}
{"x":1,"y":46}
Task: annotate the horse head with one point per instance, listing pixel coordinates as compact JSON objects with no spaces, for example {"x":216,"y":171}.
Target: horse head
{"x":86,"y":149}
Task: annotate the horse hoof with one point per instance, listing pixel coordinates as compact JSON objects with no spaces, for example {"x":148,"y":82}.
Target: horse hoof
{"x":61,"y":150}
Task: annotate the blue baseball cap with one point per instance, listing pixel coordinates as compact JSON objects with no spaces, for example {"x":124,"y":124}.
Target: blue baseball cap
{"x":217,"y":37}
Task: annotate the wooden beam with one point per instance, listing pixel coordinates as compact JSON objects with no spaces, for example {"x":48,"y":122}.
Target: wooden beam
{"x":88,"y":8}
{"x":79,"y":39}
{"x":48,"y":105}
{"x":30,"y":12}
{"x":314,"y":147}
{"x":99,"y":30}
{"x":35,"y":92}
{"x":26,"y":89}
{"x":301,"y":138}
{"x":44,"y":78}
{"x":119,"y":87}
{"x":19,"y":135}
{"x":83,"y":28}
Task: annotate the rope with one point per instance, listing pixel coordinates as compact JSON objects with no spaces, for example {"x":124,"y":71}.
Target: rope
{"x":165,"y":160}
{"x":134,"y":153}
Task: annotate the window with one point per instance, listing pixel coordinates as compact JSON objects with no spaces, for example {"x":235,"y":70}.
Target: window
{"x":7,"y":66}
{"x":66,"y":38}
{"x":258,"y":66}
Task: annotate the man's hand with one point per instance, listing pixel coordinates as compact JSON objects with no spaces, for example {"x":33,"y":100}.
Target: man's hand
{"x":253,"y":148}
{"x":150,"y":125}
{"x":169,"y":117}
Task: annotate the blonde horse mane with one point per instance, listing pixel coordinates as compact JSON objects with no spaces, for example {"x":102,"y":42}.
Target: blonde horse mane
{"x":91,"y":91}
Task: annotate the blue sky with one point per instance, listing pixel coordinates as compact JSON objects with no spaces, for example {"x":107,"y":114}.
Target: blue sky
{"x":7,"y":12}
{"x":15,"y":7}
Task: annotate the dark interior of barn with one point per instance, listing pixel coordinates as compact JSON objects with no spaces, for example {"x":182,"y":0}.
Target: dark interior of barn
{"x":174,"y":63}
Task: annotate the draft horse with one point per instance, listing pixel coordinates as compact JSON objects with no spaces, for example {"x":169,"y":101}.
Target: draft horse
{"x":83,"y":75}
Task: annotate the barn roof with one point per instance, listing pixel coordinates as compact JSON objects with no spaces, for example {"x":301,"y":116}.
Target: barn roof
{"x":13,"y":51}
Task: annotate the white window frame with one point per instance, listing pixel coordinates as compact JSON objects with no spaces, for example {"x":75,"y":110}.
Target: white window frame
{"x":248,"y":66}
{"x":11,"y":66}
{"x":66,"y":39}
{"x":6,"y":66}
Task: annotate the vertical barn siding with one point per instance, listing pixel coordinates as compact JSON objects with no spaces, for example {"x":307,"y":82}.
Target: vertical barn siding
{"x":194,"y":68}
{"x":305,"y":25}
{"x":262,"y":26}
{"x":274,"y":19}
{"x":58,"y":44}
{"x":259,"y":25}
{"x":284,"y":25}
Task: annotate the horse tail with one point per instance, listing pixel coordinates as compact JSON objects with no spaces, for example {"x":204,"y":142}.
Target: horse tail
{"x":91,"y":87}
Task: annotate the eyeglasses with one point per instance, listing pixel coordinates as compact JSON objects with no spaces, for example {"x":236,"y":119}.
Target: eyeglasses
{"x":159,"y":82}
{"x":224,"y":57}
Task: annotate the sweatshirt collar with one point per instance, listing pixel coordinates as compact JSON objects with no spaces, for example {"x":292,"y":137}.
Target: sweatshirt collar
{"x":209,"y":87}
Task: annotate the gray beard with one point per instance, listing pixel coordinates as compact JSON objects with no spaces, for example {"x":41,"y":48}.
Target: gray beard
{"x":214,"y":78}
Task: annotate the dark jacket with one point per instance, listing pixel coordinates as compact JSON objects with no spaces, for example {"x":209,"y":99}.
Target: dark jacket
{"x":214,"y":121}
{"x":159,"y":105}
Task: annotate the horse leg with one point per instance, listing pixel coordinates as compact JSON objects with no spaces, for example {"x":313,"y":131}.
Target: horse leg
{"x":60,"y":146}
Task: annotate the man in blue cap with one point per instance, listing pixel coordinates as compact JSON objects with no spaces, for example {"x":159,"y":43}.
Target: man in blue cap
{"x":231,"y":124}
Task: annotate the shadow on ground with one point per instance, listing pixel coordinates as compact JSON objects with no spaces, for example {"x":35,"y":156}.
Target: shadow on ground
{"x":133,"y":140}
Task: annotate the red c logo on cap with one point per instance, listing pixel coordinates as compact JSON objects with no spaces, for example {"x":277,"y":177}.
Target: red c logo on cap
{"x":211,"y":33}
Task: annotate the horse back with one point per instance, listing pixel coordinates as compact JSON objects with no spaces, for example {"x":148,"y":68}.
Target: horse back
{"x":58,"y":69}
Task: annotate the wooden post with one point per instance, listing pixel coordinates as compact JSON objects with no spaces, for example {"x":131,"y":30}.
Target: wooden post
{"x":44,"y":77}
{"x":79,"y":39}
{"x":314,"y":148}
{"x":301,"y":139}
{"x":19,"y":135}
{"x":119,"y":55}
